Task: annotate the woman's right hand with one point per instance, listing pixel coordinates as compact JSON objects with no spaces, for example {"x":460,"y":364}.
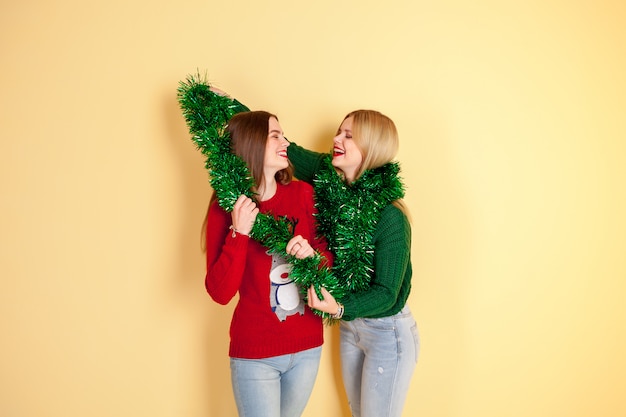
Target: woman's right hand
{"x":244,"y":214}
{"x":218,"y":91}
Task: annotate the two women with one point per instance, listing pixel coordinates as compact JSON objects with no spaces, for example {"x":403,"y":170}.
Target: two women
{"x":361,"y":214}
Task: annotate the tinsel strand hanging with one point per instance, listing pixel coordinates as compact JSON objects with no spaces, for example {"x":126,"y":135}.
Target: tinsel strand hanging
{"x":347,"y":216}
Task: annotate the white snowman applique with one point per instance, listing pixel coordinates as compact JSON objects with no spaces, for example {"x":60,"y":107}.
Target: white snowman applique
{"x":284,"y":295}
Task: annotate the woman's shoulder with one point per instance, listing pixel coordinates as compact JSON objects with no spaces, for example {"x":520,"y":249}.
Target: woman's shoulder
{"x":392,"y":211}
{"x":393,"y":215}
{"x":393,"y":227}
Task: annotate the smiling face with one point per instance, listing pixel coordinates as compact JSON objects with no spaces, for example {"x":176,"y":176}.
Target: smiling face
{"x":347,"y":156}
{"x":275,"y":158}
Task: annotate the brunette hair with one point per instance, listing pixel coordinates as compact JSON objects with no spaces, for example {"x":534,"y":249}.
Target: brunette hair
{"x":248,"y":136}
{"x":248,"y":133}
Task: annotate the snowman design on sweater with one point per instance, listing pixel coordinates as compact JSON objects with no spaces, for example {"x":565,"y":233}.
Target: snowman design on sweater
{"x":284,"y":294}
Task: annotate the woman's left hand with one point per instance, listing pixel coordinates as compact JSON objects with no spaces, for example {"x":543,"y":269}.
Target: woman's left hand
{"x":328,"y":304}
{"x":299,"y":247}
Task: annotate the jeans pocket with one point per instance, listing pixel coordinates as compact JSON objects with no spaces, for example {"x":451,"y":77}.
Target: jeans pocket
{"x":416,"y":340}
{"x":385,"y":323}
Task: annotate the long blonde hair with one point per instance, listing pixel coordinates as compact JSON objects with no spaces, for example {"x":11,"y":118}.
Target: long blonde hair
{"x":377,"y":138}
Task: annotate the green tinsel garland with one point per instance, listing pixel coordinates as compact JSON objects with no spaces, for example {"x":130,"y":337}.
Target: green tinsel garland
{"x":207,"y":115}
{"x":348,"y":215}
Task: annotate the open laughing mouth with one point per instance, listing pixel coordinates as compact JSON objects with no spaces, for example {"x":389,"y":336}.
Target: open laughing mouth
{"x":338,"y":152}
{"x":282,"y":154}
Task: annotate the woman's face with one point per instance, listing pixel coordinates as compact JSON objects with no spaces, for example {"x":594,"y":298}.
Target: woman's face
{"x":346,"y":155}
{"x":275,"y":149}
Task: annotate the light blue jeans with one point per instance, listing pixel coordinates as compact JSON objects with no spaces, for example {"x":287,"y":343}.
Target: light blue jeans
{"x":378,"y":357}
{"x":279,"y":386}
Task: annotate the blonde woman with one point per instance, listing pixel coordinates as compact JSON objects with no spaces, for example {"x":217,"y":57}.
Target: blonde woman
{"x":359,"y":205}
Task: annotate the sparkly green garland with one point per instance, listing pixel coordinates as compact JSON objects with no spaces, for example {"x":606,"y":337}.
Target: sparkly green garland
{"x":348,"y":215}
{"x":207,"y":115}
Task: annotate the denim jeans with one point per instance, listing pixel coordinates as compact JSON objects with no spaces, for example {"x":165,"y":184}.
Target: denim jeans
{"x":279,"y":386}
{"x":378,"y":357}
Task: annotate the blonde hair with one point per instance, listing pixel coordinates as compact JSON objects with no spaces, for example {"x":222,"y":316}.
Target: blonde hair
{"x":377,"y":138}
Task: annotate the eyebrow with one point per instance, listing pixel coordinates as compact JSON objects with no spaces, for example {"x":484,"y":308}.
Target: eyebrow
{"x":276,"y":131}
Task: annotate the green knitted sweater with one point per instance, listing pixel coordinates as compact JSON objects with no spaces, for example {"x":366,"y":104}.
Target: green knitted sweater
{"x":390,"y":284}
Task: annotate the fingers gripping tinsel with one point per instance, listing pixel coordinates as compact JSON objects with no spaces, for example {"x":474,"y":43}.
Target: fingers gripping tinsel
{"x":207,"y":115}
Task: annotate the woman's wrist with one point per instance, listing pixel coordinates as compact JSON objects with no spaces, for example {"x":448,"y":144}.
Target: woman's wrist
{"x":235,"y":231}
{"x":339,"y":314}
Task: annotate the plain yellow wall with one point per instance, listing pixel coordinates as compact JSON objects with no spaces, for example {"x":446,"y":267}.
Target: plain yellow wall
{"x":513,"y":147}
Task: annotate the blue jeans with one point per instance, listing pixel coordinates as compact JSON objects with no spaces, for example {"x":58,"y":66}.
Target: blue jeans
{"x":279,"y":386}
{"x":378,"y":357}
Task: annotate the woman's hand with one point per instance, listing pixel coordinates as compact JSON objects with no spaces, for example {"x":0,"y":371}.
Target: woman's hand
{"x":299,"y":247}
{"x":219,"y":92}
{"x":244,"y":214}
{"x":328,"y":304}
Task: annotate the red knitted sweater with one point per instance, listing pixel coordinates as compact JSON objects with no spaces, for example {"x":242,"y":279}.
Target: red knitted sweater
{"x":270,"y":318}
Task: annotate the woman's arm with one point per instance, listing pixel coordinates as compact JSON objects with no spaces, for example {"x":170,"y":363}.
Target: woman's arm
{"x":306,"y":163}
{"x":237,"y":106}
{"x":225,"y":255}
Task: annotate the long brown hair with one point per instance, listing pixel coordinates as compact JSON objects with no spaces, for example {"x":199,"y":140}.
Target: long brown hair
{"x":248,"y":133}
{"x":248,"y":136}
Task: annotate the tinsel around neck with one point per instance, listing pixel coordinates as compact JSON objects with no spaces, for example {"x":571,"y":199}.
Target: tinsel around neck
{"x":348,"y":215}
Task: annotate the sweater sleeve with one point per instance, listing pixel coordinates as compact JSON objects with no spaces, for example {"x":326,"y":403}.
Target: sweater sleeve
{"x":225,"y":256}
{"x":306,"y":163}
{"x":390,"y":283}
{"x":239,"y":107}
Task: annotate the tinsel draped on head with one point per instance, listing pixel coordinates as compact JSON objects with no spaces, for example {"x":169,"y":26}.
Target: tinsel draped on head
{"x":207,"y":115}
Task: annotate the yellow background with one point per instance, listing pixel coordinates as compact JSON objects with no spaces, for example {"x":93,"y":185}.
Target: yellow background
{"x":511,"y":116}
